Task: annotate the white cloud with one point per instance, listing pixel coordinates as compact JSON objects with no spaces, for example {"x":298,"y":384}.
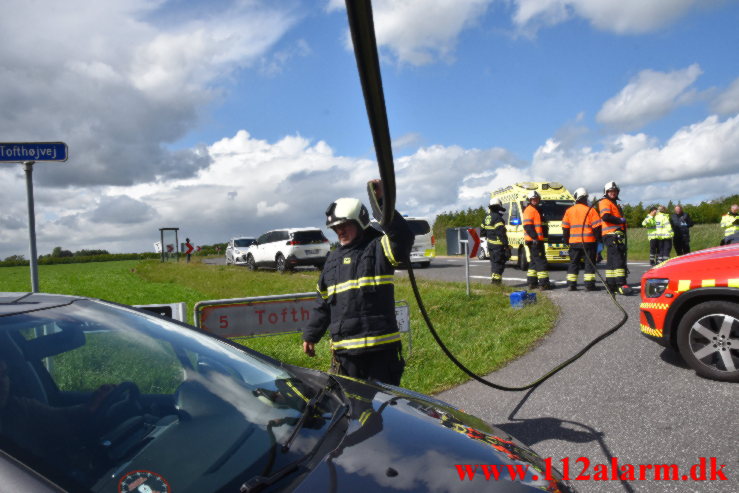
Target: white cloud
{"x":699,"y":152}
{"x":619,"y":16}
{"x":121,"y":79}
{"x":727,"y":103}
{"x":648,"y":96}
{"x":419,"y":32}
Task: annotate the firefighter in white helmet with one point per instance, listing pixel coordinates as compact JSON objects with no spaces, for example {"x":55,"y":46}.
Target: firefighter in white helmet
{"x":581,"y":228}
{"x":493,"y":230}
{"x":535,"y":232}
{"x":356,"y":297}
{"x":614,"y":239}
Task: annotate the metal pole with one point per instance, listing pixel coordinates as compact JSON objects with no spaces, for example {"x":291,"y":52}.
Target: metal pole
{"x":467,"y":265}
{"x":28,"y":165}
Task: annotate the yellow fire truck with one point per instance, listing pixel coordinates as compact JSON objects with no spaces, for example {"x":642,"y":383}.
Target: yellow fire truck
{"x":555,"y":199}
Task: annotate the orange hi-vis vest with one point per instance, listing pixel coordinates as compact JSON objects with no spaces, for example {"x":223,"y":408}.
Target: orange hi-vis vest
{"x":575,"y":217}
{"x":531,"y":217}
{"x":607,"y":206}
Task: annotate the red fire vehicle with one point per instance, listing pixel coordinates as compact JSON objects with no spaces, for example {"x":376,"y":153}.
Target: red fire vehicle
{"x":691,"y":303}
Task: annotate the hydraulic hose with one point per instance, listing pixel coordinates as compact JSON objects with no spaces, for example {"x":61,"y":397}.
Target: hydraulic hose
{"x":362,"y":29}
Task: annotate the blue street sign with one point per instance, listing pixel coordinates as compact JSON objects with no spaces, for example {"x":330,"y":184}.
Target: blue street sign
{"x":19,"y":152}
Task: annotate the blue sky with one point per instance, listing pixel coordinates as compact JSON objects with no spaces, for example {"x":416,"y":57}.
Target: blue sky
{"x":246,"y":115}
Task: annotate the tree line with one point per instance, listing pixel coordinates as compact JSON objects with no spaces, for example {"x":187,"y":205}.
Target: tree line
{"x":709,"y":212}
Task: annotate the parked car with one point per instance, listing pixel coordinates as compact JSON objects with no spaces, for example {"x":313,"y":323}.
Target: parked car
{"x":423,"y":246}
{"x":691,"y":304}
{"x":285,"y":249}
{"x":102,"y":397}
{"x":236,"y":250}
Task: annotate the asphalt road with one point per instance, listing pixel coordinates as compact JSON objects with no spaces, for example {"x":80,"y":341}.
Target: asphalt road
{"x":627,"y":399}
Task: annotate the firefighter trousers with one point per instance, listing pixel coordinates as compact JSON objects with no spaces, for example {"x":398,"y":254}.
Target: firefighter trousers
{"x":653,"y":251}
{"x":538,"y":273}
{"x":582,"y":253}
{"x":665,"y":247}
{"x":384,"y":365}
{"x":497,"y":262}
{"x":616,"y":261}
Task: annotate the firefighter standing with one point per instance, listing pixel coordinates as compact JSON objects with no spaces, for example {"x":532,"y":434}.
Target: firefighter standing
{"x":493,"y":228}
{"x":356,"y":296}
{"x":730,"y":223}
{"x":581,"y":227}
{"x":535,"y":233}
{"x":614,"y":239}
{"x":664,"y":233}
{"x":651,"y":226}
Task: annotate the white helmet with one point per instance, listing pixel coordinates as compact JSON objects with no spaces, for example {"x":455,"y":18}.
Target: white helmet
{"x":496,"y":204}
{"x":347,"y":209}
{"x":611,"y":185}
{"x":581,"y":193}
{"x":533,"y":194}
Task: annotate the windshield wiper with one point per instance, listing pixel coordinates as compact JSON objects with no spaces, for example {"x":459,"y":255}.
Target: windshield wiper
{"x":258,"y":482}
{"x":309,"y":409}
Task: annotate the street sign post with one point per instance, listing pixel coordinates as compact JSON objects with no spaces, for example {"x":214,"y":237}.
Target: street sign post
{"x":28,"y":153}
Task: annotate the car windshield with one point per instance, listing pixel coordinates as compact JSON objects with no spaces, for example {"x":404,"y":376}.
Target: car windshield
{"x":554,"y":210}
{"x":419,"y":227}
{"x":243,"y":242}
{"x":92,"y":394}
{"x":309,"y":236}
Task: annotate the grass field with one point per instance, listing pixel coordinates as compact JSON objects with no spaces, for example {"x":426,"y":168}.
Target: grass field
{"x":481,"y":330}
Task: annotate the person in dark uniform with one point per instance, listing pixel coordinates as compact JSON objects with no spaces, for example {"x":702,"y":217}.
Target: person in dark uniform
{"x":356,"y":295}
{"x":493,"y":229}
{"x":681,"y":224}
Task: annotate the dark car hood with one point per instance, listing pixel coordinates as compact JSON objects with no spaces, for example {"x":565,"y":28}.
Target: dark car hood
{"x":398,"y":440}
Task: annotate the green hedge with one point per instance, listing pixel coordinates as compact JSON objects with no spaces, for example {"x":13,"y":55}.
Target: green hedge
{"x":111,"y":257}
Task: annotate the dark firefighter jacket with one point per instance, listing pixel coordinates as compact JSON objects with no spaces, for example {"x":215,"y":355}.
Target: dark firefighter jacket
{"x":493,"y":228}
{"x":356,"y":295}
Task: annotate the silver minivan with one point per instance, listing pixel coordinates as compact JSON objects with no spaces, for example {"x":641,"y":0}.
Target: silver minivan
{"x":423,"y":246}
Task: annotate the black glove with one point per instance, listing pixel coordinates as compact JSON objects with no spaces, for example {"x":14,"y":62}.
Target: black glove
{"x":507,"y":253}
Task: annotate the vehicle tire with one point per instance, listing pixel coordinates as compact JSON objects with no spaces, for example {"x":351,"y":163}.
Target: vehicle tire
{"x":250,"y":262}
{"x":280,"y":264}
{"x":228,"y":262}
{"x":708,"y":339}
{"x":481,"y":254}
{"x":523,"y":262}
{"x":425,"y":265}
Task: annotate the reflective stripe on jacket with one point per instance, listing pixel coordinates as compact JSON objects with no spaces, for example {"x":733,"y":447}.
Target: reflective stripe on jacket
{"x":356,"y":294}
{"x":532,"y":224}
{"x":573,"y":221}
{"x":610,"y":210}
{"x":651,"y":225}
{"x":493,"y":228}
{"x":664,"y":228}
{"x":728,"y":222}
